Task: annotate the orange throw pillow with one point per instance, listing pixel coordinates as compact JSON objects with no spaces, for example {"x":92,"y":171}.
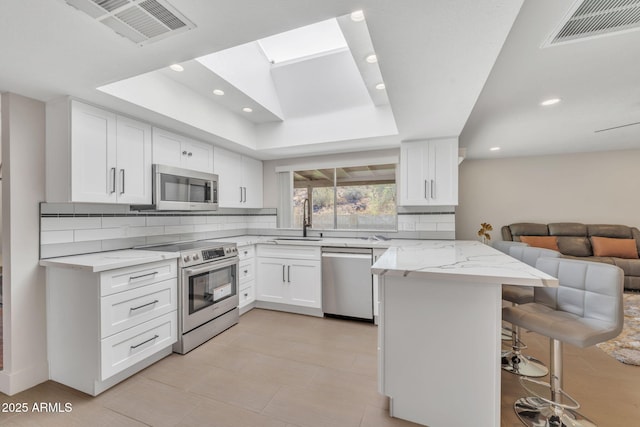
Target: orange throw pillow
{"x":619,"y":248}
{"x":546,"y":242}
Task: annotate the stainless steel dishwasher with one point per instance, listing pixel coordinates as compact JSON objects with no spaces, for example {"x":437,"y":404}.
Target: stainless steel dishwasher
{"x":347,"y":283}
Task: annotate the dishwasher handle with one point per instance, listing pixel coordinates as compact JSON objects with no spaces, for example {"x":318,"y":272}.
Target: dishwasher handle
{"x":346,"y":255}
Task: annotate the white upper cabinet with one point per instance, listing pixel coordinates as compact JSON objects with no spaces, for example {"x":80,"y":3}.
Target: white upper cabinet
{"x":133,"y":161}
{"x":429,"y":172}
{"x":239,"y":179}
{"x":179,"y":151}
{"x":94,"y":155}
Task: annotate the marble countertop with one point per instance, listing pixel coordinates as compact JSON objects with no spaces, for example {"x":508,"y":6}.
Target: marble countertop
{"x":102,"y":261}
{"x":353,"y":242}
{"x":460,"y":260}
{"x":447,"y":258}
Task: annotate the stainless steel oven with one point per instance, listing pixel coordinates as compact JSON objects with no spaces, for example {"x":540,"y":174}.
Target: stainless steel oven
{"x":207,"y":290}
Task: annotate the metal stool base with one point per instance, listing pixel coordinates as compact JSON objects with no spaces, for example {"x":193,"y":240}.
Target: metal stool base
{"x":528,"y":366}
{"x":535,"y":412}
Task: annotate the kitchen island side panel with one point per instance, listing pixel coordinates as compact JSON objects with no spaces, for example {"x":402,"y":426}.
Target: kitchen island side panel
{"x":440,"y":350}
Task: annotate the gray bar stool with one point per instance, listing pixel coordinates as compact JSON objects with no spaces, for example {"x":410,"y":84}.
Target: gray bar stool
{"x":584,"y":310}
{"x":514,"y":361}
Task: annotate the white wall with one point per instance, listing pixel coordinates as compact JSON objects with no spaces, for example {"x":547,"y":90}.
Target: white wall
{"x":24,"y":317}
{"x":588,"y":187}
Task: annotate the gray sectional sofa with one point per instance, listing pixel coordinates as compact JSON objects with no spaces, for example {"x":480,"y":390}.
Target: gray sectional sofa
{"x":575,"y":240}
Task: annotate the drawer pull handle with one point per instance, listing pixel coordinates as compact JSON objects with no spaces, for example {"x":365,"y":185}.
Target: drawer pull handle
{"x":246,"y":271}
{"x":143,"y":275}
{"x":144,"y":342}
{"x":246,"y":294}
{"x":143,"y":305}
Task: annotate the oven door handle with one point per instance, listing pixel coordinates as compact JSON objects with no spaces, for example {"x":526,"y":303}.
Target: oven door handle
{"x":208,"y":266}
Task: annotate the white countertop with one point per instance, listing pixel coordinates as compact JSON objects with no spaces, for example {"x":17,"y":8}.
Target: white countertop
{"x":353,"y":242}
{"x":102,"y":261}
{"x":459,"y":259}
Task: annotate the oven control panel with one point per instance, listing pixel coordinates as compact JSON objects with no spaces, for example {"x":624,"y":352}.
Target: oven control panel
{"x":208,"y":254}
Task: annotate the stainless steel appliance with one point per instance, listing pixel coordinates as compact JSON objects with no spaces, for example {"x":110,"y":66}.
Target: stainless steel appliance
{"x":177,"y":189}
{"x":347,"y":283}
{"x":207,"y":290}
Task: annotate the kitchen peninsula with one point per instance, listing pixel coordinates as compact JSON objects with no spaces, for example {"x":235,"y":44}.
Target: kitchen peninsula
{"x":439,"y":329}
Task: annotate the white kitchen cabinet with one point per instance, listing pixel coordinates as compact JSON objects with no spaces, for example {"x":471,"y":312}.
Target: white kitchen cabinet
{"x":289,"y":279}
{"x":179,"y":151}
{"x":247,"y":277}
{"x":104,"y":327}
{"x":93,"y":155}
{"x":429,"y":172}
{"x":239,"y":179}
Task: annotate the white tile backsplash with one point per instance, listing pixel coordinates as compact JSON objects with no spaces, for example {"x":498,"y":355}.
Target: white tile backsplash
{"x":98,"y":234}
{"x":109,"y":227}
{"x":70,"y":223}
{"x":62,"y":236}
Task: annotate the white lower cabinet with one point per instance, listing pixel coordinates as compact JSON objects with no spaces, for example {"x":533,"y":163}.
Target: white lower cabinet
{"x":289,"y":279}
{"x":247,"y":277}
{"x":104,"y":327}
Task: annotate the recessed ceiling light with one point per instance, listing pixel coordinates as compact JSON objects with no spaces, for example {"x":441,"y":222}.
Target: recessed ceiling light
{"x":357,"y":16}
{"x":176,"y":67}
{"x":247,"y":109}
{"x":218,"y":92}
{"x":372,"y":59}
{"x":494,"y":149}
{"x":380,"y":86}
{"x":551,"y":101}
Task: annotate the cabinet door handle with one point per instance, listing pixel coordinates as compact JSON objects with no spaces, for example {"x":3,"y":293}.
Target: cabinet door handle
{"x":289,"y":273}
{"x":425,"y":189}
{"x":433,"y":189}
{"x":246,"y":271}
{"x":113,"y":180}
{"x":122,"y":178}
{"x":184,"y":153}
{"x":283,"y":279}
{"x":190,"y":154}
{"x":142,"y":275}
{"x":240,"y":194}
{"x":144,"y":342}
{"x":143,"y":305}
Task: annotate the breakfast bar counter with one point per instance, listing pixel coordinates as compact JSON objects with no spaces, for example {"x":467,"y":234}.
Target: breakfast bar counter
{"x":439,"y":329}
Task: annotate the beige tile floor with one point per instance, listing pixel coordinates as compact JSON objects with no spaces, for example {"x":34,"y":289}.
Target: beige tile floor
{"x":285,"y":370}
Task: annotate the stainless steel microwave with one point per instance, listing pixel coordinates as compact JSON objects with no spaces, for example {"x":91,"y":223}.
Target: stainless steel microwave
{"x":177,"y":189}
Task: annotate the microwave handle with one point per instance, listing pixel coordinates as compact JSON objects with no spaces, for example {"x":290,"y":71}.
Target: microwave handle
{"x":214,"y":192}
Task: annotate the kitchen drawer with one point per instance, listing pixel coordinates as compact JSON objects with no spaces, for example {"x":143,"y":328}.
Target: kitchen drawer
{"x":129,"y":347}
{"x":246,"y":271}
{"x":126,"y":309}
{"x":247,"y":294}
{"x":289,"y":252}
{"x":123,"y":279}
{"x":246,"y":252}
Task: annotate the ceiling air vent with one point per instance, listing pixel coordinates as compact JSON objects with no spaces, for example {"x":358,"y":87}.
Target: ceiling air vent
{"x":593,"y":18}
{"x":141,"y":21}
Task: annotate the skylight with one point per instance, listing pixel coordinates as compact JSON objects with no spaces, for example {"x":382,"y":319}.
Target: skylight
{"x":303,"y":42}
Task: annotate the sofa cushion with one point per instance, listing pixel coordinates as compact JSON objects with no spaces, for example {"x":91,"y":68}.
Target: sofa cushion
{"x":621,"y":248}
{"x":631,"y":267}
{"x":574,"y":246}
{"x":546,"y":242}
{"x":529,"y":229}
{"x":609,"y":230}
{"x":567,"y":229}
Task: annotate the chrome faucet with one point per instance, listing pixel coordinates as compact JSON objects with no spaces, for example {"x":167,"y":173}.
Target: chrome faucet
{"x":305,"y":217}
